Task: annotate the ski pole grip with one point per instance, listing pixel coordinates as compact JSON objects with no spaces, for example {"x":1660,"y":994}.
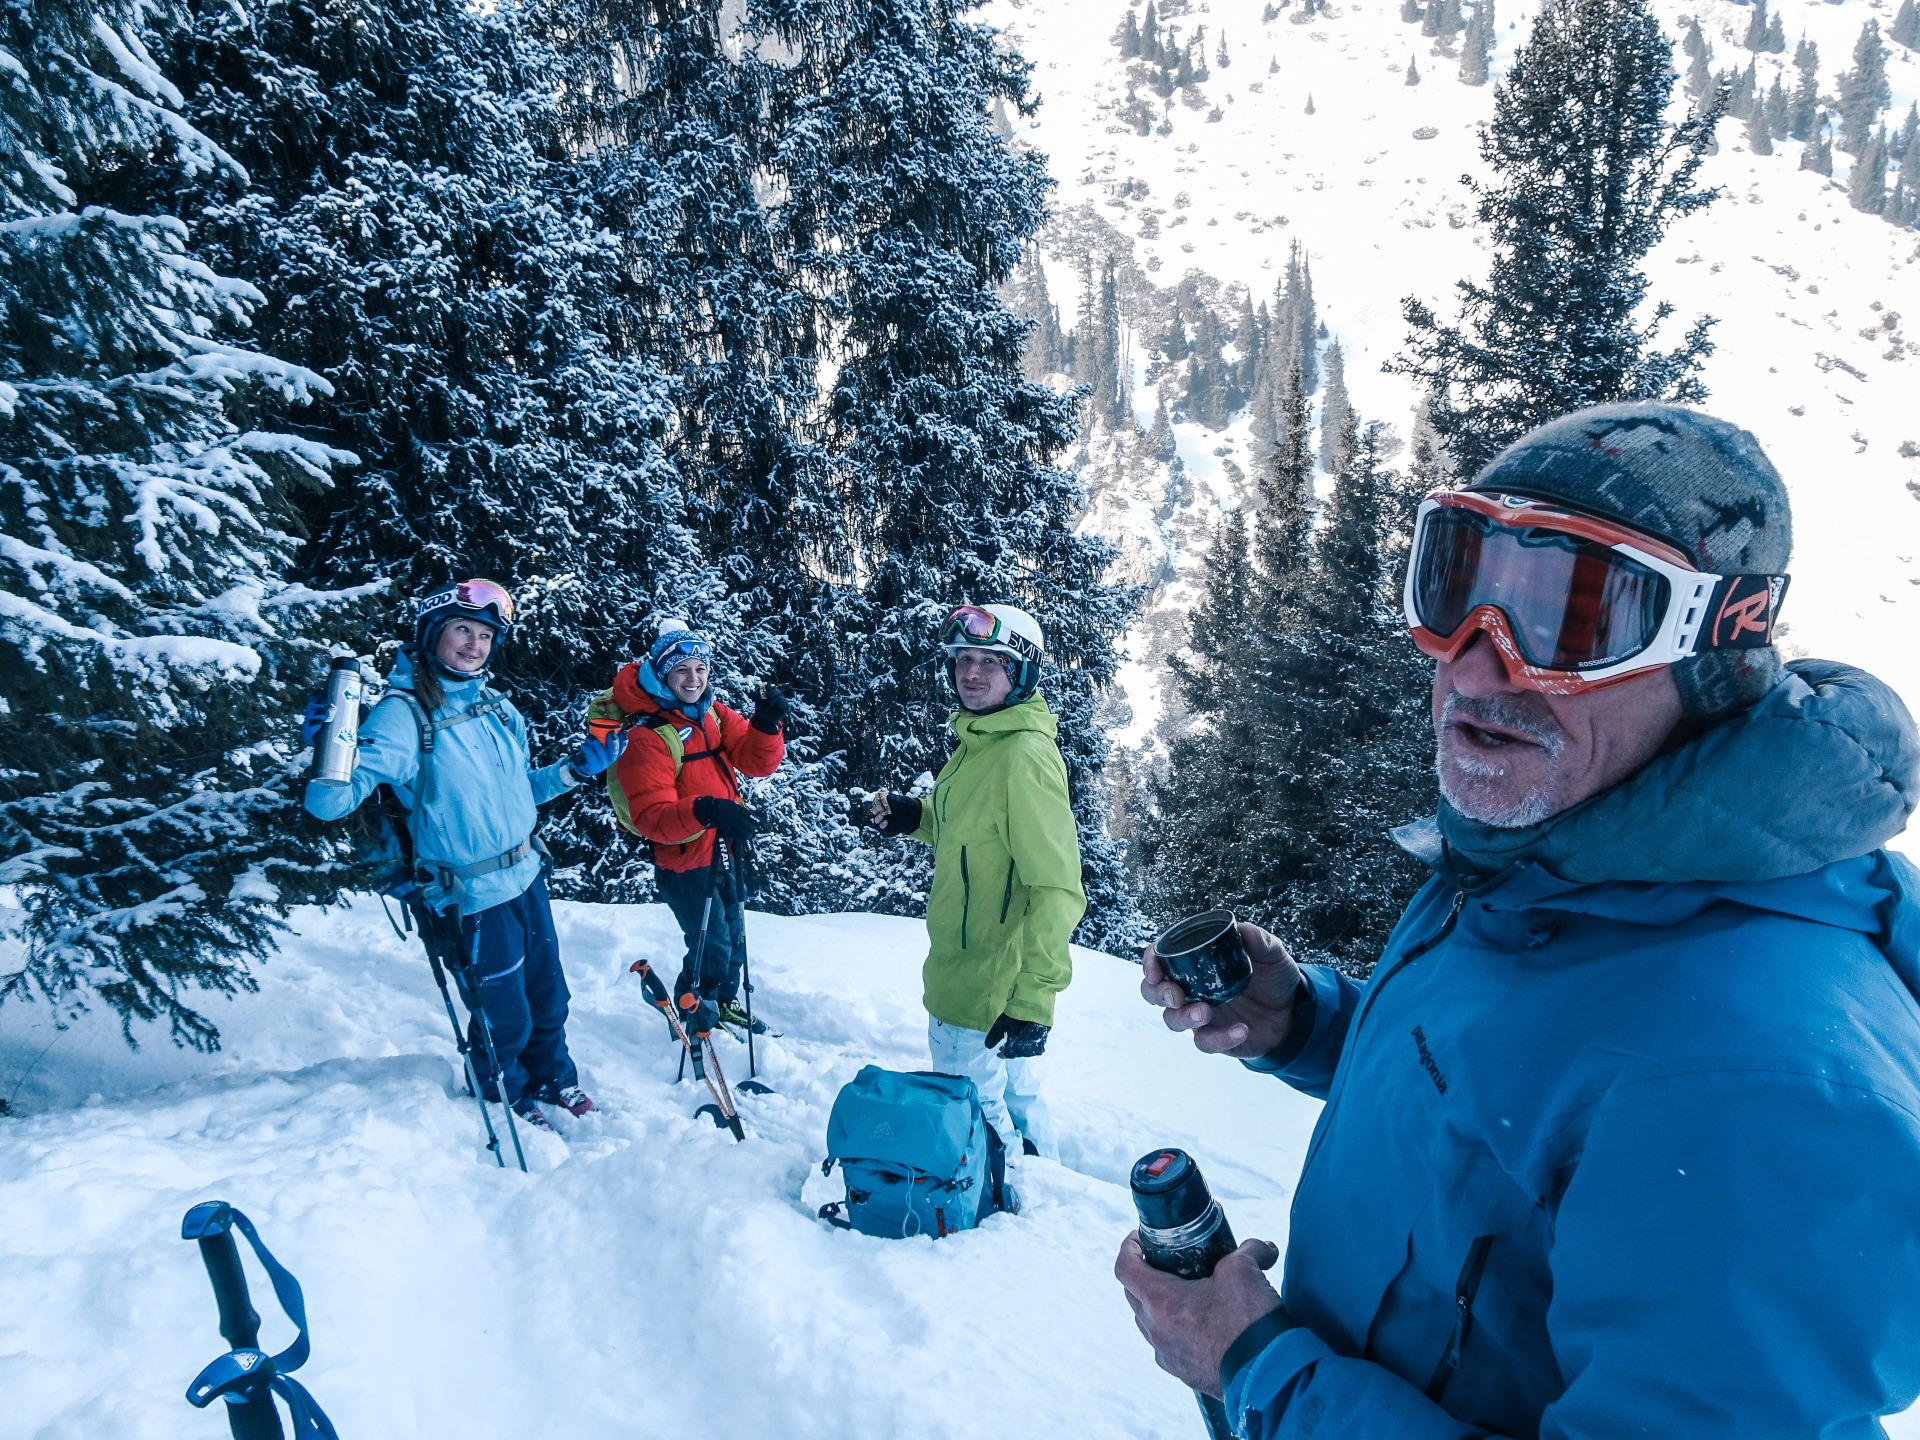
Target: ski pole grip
{"x":211,"y":1225}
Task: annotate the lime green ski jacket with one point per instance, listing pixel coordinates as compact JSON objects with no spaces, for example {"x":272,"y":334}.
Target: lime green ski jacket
{"x":1006,"y":871}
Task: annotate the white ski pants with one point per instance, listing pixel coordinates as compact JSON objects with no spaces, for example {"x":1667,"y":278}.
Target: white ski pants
{"x":1009,"y":1089}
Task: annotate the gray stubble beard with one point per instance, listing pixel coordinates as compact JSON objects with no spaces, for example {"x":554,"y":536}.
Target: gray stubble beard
{"x":1512,"y":712}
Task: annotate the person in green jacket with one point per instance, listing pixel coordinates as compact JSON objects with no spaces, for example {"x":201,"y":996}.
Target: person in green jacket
{"x":1006,"y":873}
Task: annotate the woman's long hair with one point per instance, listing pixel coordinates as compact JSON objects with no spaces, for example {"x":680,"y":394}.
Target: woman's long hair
{"x":426,"y":681}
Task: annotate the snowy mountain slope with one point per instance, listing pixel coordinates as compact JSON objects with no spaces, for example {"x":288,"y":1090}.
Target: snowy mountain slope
{"x":651,"y":1277}
{"x":1819,"y":305}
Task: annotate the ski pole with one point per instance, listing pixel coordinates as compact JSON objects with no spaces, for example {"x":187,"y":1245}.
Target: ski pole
{"x":252,"y":1416}
{"x":477,"y":1008}
{"x":459,"y":1036}
{"x":751,"y":1084}
{"x":699,"y":957}
{"x":246,"y":1378}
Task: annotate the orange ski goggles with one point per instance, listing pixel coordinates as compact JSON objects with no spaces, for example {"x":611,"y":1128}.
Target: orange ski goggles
{"x":1572,"y":601}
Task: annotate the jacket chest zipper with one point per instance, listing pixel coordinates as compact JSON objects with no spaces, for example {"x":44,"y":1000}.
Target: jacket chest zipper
{"x":1414,"y":952}
{"x":1464,"y":1289}
{"x":966,"y":896}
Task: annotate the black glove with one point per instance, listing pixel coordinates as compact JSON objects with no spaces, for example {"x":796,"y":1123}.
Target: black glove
{"x":903,"y":815}
{"x":733,"y":820}
{"x":1025,"y":1038}
{"x":769,"y":711}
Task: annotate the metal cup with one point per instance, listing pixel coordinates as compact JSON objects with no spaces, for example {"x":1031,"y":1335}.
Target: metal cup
{"x":1204,"y":953}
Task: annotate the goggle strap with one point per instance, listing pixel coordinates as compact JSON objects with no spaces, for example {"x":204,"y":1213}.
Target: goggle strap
{"x":1742,"y":611}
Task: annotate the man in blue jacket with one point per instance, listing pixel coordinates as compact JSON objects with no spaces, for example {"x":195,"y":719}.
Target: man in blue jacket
{"x":1622,"y":1136}
{"x":470,"y":807}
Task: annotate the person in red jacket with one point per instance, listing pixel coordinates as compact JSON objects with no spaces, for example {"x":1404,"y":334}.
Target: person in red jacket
{"x":679,"y":777}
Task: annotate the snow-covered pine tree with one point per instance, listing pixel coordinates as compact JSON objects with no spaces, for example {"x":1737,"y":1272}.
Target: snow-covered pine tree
{"x":939,"y":454}
{"x":1202,"y":844}
{"x":1096,"y":349}
{"x":1700,"y":81}
{"x":1248,"y":339}
{"x":1303,"y":323}
{"x":1905,"y":29}
{"x":435,"y":251}
{"x":1476,"y":47}
{"x":1693,"y":43}
{"x":150,"y":645}
{"x":1212,"y":395}
{"x":1046,"y":352}
{"x":1362,"y":743}
{"x":1804,"y":108}
{"x":1335,"y":411}
{"x":1743,"y":88}
{"x":1211,"y":783}
{"x":1756,"y":37}
{"x":1903,"y":202}
{"x":1413,"y":71}
{"x":1775,"y":111}
{"x":1867,"y":185}
{"x":1759,"y":133}
{"x":1412,"y":11}
{"x":1900,"y":141}
{"x":1129,"y":41}
{"x":1817,"y":154}
{"x":1160,"y":443}
{"x":1586,"y":174}
{"x":1220,"y":55}
{"x":1864,"y":90}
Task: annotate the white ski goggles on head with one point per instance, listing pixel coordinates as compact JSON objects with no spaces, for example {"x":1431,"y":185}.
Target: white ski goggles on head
{"x":1571,"y":601}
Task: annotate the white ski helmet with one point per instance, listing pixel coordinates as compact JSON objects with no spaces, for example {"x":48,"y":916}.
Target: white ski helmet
{"x":1004,"y":629}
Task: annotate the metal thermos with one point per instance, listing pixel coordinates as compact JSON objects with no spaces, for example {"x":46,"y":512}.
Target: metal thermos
{"x":338,"y":749}
{"x":1183,"y":1232}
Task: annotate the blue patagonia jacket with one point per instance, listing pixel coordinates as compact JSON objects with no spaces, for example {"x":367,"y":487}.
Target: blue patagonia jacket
{"x":481,"y":804}
{"x":1622,"y":1136}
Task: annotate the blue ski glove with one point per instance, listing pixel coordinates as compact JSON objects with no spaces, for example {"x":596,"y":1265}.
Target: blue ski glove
{"x":316,"y":717}
{"x":595,"y":755}
{"x":1025,"y":1038}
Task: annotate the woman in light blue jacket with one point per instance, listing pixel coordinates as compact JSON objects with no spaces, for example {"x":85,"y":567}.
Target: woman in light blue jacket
{"x":454,"y":753}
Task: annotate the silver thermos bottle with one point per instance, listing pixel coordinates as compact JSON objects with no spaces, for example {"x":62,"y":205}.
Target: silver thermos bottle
{"x":338,"y":748}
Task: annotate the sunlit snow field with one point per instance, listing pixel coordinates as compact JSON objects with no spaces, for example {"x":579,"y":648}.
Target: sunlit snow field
{"x":650,"y":1277}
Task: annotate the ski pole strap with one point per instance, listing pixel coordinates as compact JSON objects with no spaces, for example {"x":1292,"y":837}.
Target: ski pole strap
{"x":243,"y":1371}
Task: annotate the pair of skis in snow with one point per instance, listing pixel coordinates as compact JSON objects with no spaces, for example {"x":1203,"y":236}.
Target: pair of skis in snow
{"x":699,"y":1049}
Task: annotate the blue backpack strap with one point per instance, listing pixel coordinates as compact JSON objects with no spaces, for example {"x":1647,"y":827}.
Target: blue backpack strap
{"x":423,"y":723}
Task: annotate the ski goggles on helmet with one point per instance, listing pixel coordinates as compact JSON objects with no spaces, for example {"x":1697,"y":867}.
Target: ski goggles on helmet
{"x":677,"y":650}
{"x":485,"y":600}
{"x":1571,"y":601}
{"x":971,"y":627}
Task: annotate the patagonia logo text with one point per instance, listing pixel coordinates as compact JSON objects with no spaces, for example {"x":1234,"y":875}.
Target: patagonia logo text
{"x":1427,"y":1062}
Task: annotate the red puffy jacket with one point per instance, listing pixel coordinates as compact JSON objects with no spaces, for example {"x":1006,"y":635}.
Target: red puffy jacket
{"x":660,"y":803}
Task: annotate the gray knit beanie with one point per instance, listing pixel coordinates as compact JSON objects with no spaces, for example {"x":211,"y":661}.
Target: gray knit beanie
{"x":1701,"y":484}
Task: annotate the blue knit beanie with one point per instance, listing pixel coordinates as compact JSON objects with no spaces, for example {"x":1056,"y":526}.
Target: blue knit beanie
{"x":678,"y":642}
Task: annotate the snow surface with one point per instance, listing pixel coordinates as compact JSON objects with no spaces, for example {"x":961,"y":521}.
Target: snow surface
{"x":650,"y":1277}
{"x":1819,"y":305}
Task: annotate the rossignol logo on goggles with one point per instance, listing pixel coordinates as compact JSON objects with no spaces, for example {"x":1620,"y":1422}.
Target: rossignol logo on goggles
{"x":1744,"y":607}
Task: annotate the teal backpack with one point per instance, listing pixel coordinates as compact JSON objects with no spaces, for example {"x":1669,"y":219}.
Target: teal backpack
{"x":917,"y":1156}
